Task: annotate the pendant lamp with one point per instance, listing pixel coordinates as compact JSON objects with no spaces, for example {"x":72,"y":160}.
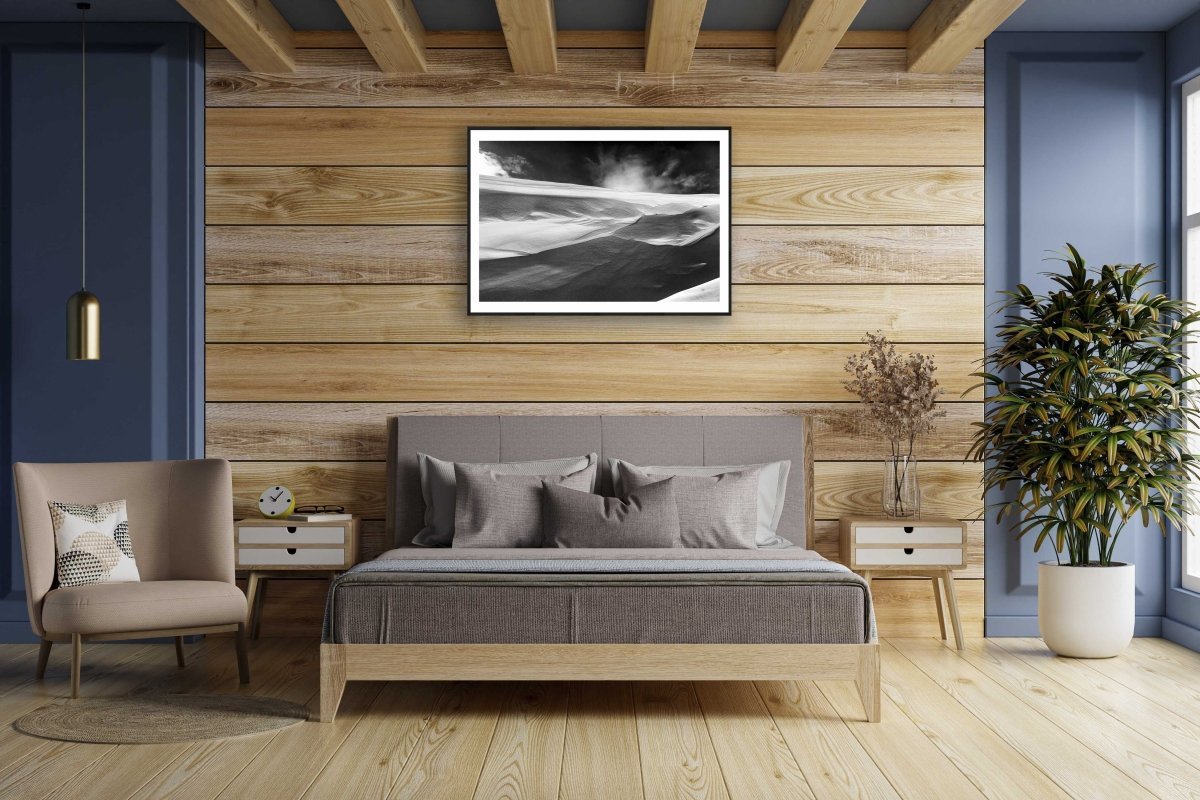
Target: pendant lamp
{"x":83,"y":307}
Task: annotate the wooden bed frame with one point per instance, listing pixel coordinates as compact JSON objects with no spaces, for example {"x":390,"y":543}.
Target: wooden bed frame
{"x":589,"y":662}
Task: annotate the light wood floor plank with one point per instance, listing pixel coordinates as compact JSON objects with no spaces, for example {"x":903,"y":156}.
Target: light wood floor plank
{"x":1074,"y":767}
{"x":754,"y":757}
{"x":832,"y":760}
{"x":1152,"y":680}
{"x":600,"y":756}
{"x":450,"y":752}
{"x":678,"y":760}
{"x":526,"y":753}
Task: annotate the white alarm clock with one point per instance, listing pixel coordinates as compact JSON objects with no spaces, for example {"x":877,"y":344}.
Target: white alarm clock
{"x":276,"y":502}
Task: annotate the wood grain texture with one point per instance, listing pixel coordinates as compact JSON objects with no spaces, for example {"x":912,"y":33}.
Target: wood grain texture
{"x":438,"y":137}
{"x":550,"y":372}
{"x":252,"y":30}
{"x":337,"y":431}
{"x":948,"y":30}
{"x":766,"y":254}
{"x":524,"y":759}
{"x":530,"y":35}
{"x":592,"y":78}
{"x":600,"y":756}
{"x":672,"y":27}
{"x":907,"y":314}
{"x":391,"y":30}
{"x":810,"y":30}
{"x":603,"y":40}
{"x":948,"y":489}
{"x":677,"y":756}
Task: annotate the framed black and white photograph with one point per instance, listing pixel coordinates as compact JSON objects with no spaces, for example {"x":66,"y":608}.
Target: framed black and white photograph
{"x":599,"y":221}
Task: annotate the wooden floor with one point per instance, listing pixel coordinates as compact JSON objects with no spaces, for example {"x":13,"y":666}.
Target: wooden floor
{"x":1003,"y":720}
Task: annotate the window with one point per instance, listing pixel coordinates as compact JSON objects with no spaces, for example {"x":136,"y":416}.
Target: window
{"x":1191,"y":285}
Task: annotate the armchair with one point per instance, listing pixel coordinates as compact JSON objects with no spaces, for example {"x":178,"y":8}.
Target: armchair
{"x":181,"y":523}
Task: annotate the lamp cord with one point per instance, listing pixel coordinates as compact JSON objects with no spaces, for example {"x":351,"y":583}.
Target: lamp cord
{"x":83,"y":146}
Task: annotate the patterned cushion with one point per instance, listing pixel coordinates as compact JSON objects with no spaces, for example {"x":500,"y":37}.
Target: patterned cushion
{"x":93,"y":543}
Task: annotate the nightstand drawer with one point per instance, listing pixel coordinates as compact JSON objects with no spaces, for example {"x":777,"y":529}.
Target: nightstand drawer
{"x":298,"y":557}
{"x":291,"y":535}
{"x":908,"y":535}
{"x":905,"y":556}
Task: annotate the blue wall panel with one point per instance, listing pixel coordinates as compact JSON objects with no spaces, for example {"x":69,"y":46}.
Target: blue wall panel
{"x":144,"y":398}
{"x":1074,"y":153}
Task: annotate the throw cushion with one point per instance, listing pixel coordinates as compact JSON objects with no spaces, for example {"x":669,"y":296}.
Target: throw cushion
{"x":93,"y":543}
{"x":503,"y":510}
{"x":647,"y":517}
{"x":772,"y":491}
{"x":438,"y":489}
{"x":719,"y":511}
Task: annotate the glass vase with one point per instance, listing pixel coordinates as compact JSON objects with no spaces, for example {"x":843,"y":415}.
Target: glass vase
{"x":901,"y":488}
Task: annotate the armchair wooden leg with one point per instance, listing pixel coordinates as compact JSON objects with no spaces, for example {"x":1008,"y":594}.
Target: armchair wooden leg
{"x":76,"y":663}
{"x":243,"y":662}
{"x":43,"y":657}
{"x":179,"y":657}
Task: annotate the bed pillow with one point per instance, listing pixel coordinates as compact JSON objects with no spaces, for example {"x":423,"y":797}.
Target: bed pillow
{"x":772,"y":491}
{"x":92,"y":543}
{"x":438,"y":489}
{"x":647,"y":517}
{"x":495,"y":509}
{"x":715,"y":511}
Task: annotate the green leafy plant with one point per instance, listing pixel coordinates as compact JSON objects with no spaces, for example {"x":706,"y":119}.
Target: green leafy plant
{"x":1090,"y":409}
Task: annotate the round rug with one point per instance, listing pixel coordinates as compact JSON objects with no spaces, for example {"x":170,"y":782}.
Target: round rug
{"x":160,"y":718}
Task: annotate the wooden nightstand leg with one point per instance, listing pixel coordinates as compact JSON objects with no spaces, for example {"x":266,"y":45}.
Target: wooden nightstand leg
{"x":952,"y":601}
{"x":251,"y":598}
{"x":262,"y":602}
{"x":937,"y":599}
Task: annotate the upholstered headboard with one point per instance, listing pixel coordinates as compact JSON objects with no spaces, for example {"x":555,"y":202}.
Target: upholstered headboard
{"x":662,"y":440}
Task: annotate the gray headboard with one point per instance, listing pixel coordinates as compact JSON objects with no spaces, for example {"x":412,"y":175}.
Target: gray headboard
{"x":660,"y":440}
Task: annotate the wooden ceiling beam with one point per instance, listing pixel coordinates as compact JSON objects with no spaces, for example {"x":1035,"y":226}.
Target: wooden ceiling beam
{"x":253,"y":30}
{"x":948,"y":30}
{"x":530,"y":34}
{"x":809,"y":32}
{"x":391,"y":30}
{"x":672,"y":27}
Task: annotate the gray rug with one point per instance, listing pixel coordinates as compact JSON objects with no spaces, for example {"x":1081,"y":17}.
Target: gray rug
{"x":160,"y":718}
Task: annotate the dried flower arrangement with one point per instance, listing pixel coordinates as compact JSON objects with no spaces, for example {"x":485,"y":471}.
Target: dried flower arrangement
{"x":898,"y":392}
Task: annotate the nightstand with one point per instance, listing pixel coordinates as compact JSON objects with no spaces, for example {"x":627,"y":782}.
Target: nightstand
{"x":926,"y":548}
{"x":278,"y":548}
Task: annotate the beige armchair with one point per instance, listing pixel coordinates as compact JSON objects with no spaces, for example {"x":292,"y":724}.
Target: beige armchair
{"x":181,"y":524}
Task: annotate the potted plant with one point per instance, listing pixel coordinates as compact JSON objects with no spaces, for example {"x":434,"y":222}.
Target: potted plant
{"x":1087,"y":426}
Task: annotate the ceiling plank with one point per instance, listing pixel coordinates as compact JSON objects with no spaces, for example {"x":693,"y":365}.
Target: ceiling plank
{"x":530,"y":34}
{"x":810,"y":30}
{"x":672,"y":27}
{"x":950,"y":29}
{"x":391,"y":30}
{"x":253,"y":30}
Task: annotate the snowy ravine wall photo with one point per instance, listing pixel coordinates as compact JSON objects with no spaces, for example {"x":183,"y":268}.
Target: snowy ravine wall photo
{"x":602,"y":225}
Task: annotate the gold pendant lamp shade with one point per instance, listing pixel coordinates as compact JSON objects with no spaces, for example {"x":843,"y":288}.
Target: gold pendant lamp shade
{"x":83,"y":307}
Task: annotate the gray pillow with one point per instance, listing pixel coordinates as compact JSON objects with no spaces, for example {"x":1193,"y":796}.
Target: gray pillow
{"x":438,"y":489}
{"x":772,"y":491}
{"x":718,"y":511}
{"x":503,"y":510}
{"x":648,"y":517}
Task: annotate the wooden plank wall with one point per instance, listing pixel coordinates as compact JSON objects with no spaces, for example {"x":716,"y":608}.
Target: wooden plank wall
{"x":336,"y":257}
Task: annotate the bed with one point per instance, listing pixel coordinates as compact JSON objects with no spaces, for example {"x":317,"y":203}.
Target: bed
{"x":599,"y":614}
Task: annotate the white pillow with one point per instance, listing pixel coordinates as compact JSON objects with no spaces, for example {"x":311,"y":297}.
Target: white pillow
{"x":772,"y":488}
{"x":92,"y":543}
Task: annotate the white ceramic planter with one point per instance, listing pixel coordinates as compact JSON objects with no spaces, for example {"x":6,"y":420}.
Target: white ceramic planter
{"x":1086,"y":612}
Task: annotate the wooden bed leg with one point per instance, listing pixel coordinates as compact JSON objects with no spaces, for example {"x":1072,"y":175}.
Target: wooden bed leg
{"x":333,"y":680}
{"x":868,"y":682}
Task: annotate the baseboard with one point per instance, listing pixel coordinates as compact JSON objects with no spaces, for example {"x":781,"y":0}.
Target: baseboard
{"x":1181,"y":634}
{"x":995,"y":627}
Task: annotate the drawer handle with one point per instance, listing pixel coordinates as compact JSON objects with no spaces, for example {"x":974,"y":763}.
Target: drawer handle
{"x":292,"y":551}
{"x":907,"y":529}
{"x":908,"y":551}
{"x":291,"y":528}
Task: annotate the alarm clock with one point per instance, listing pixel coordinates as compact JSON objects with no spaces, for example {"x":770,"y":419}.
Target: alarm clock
{"x":276,"y":502}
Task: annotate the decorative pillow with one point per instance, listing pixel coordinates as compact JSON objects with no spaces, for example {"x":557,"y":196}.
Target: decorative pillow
{"x":772,"y":489}
{"x":93,"y":543}
{"x":718,"y":511}
{"x":504,"y":510}
{"x":438,"y":489}
{"x":648,"y":517}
